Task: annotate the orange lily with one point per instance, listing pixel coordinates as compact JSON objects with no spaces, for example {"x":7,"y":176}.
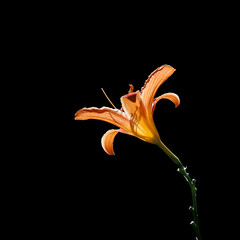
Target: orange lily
{"x":136,"y":115}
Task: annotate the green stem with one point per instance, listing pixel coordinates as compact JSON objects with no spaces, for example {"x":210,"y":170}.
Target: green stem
{"x":192,"y":184}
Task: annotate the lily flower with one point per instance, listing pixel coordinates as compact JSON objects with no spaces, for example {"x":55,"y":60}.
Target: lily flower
{"x":136,"y":115}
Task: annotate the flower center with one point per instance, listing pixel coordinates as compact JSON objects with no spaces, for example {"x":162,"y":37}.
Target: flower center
{"x":131,"y":96}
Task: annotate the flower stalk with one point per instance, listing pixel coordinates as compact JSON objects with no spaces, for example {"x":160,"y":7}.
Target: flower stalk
{"x":192,"y":185}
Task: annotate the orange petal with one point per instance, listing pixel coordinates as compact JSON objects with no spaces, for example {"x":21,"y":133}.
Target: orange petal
{"x":113,"y":116}
{"x":155,"y":80}
{"x":170,"y":96}
{"x":107,"y":141}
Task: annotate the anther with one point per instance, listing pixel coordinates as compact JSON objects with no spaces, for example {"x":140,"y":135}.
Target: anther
{"x":131,"y":88}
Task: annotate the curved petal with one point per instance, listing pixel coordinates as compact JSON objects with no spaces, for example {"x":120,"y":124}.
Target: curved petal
{"x":170,"y":96}
{"x":154,"y":81}
{"x":113,"y":116}
{"x":107,"y":141}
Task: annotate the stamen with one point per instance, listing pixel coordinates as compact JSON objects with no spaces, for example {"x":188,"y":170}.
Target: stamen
{"x":108,"y":98}
{"x":131,"y":88}
{"x":134,"y":120}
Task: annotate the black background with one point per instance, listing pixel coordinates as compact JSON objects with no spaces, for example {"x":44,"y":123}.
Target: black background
{"x":77,"y":189}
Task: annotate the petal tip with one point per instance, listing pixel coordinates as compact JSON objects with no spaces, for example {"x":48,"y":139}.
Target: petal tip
{"x":107,"y":141}
{"x":167,"y":66}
